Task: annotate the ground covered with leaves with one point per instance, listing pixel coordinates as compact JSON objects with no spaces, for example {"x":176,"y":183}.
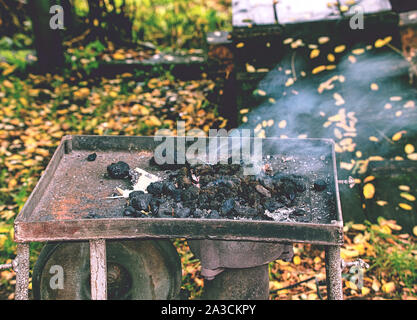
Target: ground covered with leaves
{"x":36,"y":111}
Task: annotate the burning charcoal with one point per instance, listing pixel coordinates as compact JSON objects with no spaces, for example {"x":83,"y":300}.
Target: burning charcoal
{"x":227,"y":206}
{"x":129,"y":211}
{"x":119,"y":170}
{"x":182,"y":212}
{"x":214,"y":214}
{"x":92,"y":157}
{"x":262,"y":190}
{"x":320,"y":185}
{"x":272,"y":205}
{"x":141,"y":201}
{"x":155,"y":188}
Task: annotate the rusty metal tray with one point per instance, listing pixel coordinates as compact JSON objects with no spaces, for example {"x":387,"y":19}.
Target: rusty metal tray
{"x":72,"y":188}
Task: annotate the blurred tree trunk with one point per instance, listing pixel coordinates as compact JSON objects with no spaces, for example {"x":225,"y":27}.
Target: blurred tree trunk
{"x":48,"y":42}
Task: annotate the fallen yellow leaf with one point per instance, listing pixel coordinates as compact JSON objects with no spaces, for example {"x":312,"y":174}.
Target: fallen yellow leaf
{"x":314,"y":53}
{"x":398,"y":135}
{"x":405,"y":206}
{"x":297,"y":260}
{"x":340,"y":49}
{"x":388,"y":287}
{"x":408,"y":196}
{"x":409,"y":148}
{"x":368,"y":191}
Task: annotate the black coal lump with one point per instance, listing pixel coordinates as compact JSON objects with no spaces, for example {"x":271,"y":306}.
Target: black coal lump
{"x":129,"y":211}
{"x":272,"y":205}
{"x":198,"y":213}
{"x":141,"y":201}
{"x":182,"y":212}
{"x":119,"y":170}
{"x":227,"y":206}
{"x":165,"y":210}
{"x":92,"y":157}
{"x":168,"y":188}
{"x":135,"y":194}
{"x":214,"y":214}
{"x":154,"y":205}
{"x":155,"y":188}
{"x":320,"y":185}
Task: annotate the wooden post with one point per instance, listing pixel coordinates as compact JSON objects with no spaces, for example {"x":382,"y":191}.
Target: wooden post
{"x":98,"y":267}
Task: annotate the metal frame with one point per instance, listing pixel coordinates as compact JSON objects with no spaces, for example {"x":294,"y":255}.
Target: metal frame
{"x":29,"y":228}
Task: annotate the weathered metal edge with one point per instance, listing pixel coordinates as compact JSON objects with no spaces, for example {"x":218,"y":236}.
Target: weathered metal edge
{"x":127,"y":228}
{"x":33,"y":200}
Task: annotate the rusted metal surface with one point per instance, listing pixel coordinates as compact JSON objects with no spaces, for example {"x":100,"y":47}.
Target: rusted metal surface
{"x":334,"y":273}
{"x":239,"y":284}
{"x":22,"y":272}
{"x":98,"y":267}
{"x":136,"y":270}
{"x":73,"y":189}
{"x":216,"y":256}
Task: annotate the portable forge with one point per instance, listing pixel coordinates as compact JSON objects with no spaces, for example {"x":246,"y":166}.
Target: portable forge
{"x":70,"y":207}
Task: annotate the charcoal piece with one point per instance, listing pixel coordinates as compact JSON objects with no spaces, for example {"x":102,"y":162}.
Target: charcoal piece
{"x":320,"y":185}
{"x":214,"y":214}
{"x":272,"y":205}
{"x":300,"y":215}
{"x":141,"y":201}
{"x":176,"y":195}
{"x":154,"y":206}
{"x":165,"y":210}
{"x":267,"y":182}
{"x":300,"y":186}
{"x":92,"y":157}
{"x":263,"y":191}
{"x":129,"y":211}
{"x":198,"y":213}
{"x":134,"y":194}
{"x":155,"y":188}
{"x":289,"y":190}
{"x":247,"y":212}
{"x":119,"y":170}
{"x":182,"y":212}
{"x":190,"y":194}
{"x":168,"y":188}
{"x":227,"y":206}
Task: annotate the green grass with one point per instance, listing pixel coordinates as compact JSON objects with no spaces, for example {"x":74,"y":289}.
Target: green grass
{"x":180,"y":23}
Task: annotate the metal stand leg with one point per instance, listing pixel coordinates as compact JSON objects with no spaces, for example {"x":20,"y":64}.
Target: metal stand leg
{"x":98,"y":266}
{"x":334,"y":273}
{"x":22,"y":272}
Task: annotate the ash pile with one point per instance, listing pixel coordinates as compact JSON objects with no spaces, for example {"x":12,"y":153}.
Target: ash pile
{"x":222,"y":191}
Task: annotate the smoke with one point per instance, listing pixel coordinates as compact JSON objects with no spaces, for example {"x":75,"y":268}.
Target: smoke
{"x":361,"y":103}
